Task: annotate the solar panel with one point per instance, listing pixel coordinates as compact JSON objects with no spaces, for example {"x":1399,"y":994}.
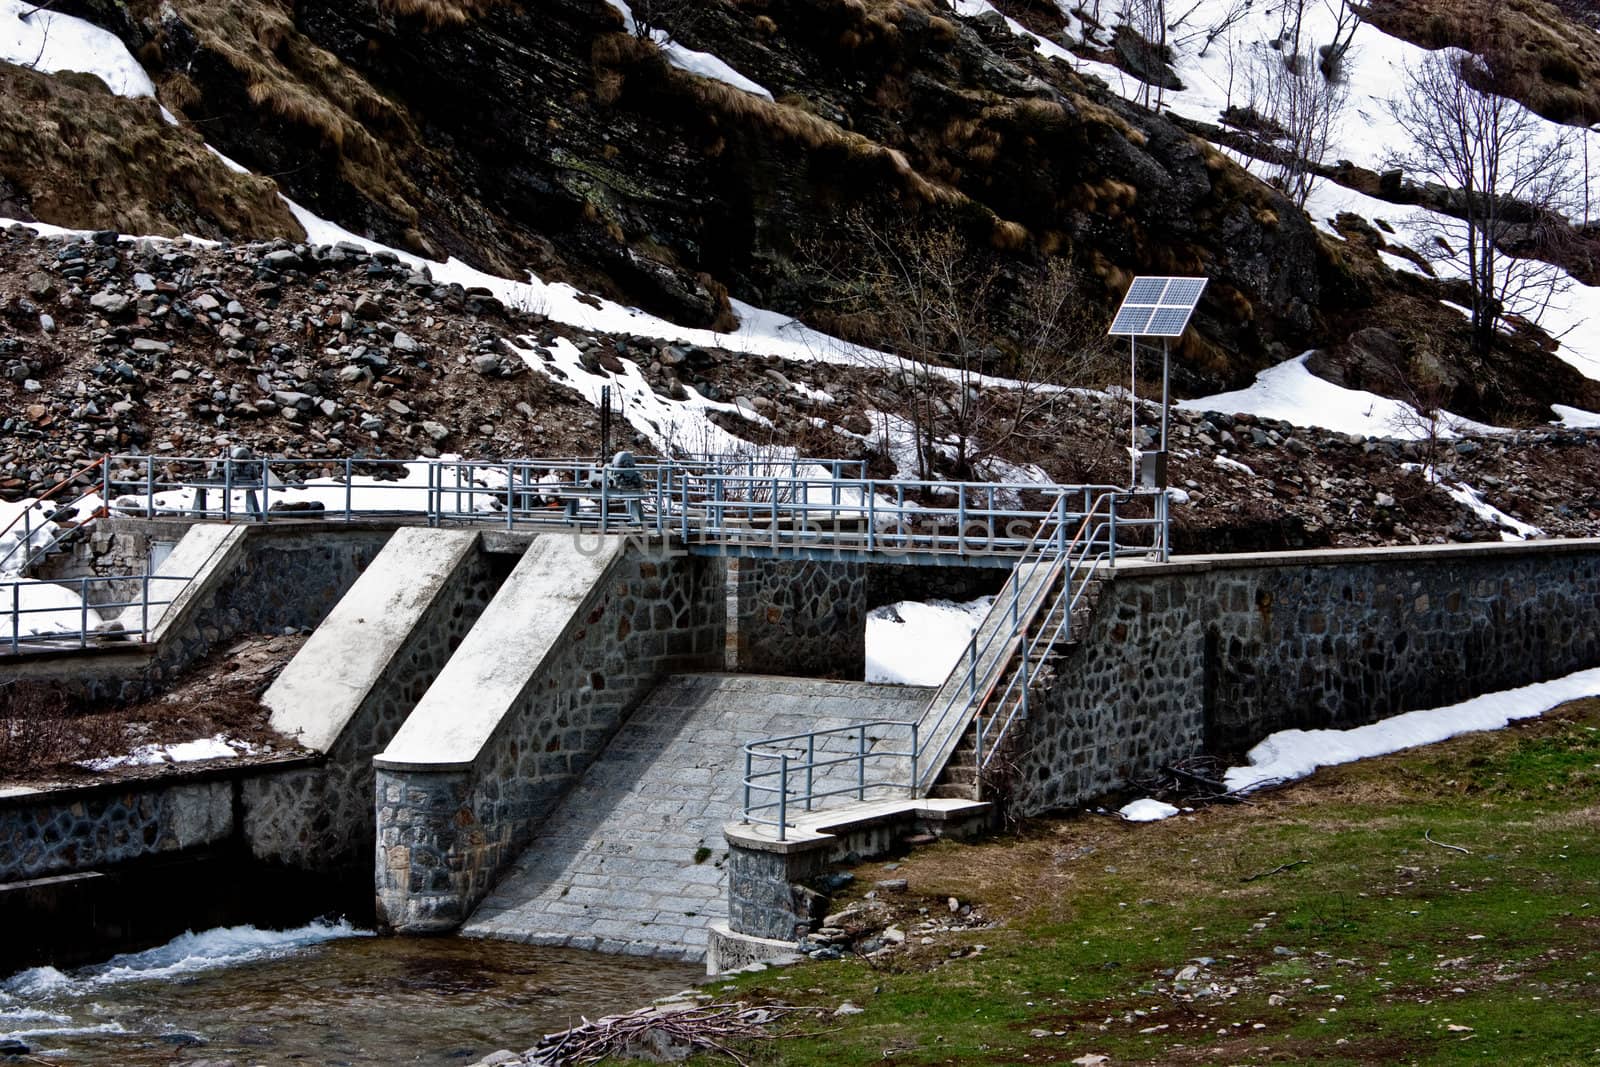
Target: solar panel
{"x":1157,"y":307}
{"x":1146,"y":291}
{"x":1167,"y":322}
{"x":1132,"y":321}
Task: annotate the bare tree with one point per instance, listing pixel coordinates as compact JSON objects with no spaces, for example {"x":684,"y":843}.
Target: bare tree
{"x":946,"y":315}
{"x":1511,"y":180}
{"x":1147,"y":20}
{"x":1298,"y":108}
{"x":665,"y":20}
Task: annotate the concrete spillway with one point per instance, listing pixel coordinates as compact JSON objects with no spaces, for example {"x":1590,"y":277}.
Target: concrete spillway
{"x":631,"y":861}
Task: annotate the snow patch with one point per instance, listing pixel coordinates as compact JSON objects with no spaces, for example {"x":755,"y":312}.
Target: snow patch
{"x":205,"y":748}
{"x":1291,"y":754}
{"x":1576,"y":418}
{"x":1146,"y":810}
{"x":704,"y":64}
{"x":51,"y":42}
{"x":1290,"y":393}
{"x":916,"y":643}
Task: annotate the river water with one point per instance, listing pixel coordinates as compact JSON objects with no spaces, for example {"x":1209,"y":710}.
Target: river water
{"x":326,"y":994}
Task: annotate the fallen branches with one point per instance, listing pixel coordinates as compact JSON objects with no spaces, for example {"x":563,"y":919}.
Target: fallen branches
{"x":1427,"y":835}
{"x":665,"y":1032}
{"x":1279,"y":869}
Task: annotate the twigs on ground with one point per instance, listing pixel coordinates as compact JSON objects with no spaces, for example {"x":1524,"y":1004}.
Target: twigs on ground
{"x":1195,"y":781}
{"x":1279,"y":869}
{"x":661,"y":1031}
{"x":1427,"y":835}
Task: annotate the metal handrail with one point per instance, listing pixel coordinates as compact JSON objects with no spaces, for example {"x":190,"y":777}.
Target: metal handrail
{"x":11,"y":604}
{"x":1037,"y":572}
{"x":25,"y":518}
{"x":754,"y":503}
{"x":1053,"y":576}
{"x":787,"y":764}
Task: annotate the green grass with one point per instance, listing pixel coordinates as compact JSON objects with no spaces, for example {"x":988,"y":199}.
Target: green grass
{"x":1385,"y":947}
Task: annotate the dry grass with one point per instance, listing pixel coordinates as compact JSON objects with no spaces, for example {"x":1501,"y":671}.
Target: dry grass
{"x":1549,"y":62}
{"x":87,"y":158}
{"x":619,"y":57}
{"x":292,"y":81}
{"x":40,"y":729}
{"x":438,"y":14}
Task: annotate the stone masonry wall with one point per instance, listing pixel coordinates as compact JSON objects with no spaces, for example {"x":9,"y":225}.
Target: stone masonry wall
{"x":63,"y":831}
{"x":445,"y":837}
{"x":801,"y":618}
{"x":1213,"y":655}
{"x":323,"y":818}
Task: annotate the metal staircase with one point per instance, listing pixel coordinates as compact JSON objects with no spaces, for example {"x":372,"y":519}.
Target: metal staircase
{"x":1007,"y":666}
{"x":1042,"y":610}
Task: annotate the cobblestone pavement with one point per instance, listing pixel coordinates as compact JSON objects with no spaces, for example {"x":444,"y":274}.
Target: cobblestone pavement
{"x":633,"y":861}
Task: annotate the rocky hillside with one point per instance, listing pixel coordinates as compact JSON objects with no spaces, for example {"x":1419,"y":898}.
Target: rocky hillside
{"x":322,"y":352}
{"x":544,"y":136}
{"x":566,"y":139}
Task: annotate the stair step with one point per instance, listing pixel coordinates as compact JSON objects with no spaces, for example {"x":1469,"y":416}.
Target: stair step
{"x":945,"y":790}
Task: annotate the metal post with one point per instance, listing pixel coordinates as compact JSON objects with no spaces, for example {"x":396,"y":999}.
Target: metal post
{"x":150,"y":487}
{"x":105,"y":480}
{"x":1112,"y":531}
{"x":16,"y":616}
{"x":144,"y":607}
{"x":811,"y":767}
{"x":349,"y":477}
{"x":915,"y":748}
{"x":83,"y":613}
{"x":861,"y":762}
{"x":1166,"y":374}
{"x":266,"y":500}
{"x":783,"y":797}
{"x":745,"y":818}
{"x":1133,"y":397}
{"x":961,"y":518}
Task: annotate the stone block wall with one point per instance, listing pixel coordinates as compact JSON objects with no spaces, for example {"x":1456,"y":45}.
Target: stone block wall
{"x":1214,"y":654}
{"x":324,"y":818}
{"x":65,"y":831}
{"x":445,"y":835}
{"x":803,"y":618}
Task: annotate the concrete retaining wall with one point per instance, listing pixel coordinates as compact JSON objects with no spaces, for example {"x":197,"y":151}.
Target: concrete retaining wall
{"x":576,"y":636}
{"x":1214,"y":653}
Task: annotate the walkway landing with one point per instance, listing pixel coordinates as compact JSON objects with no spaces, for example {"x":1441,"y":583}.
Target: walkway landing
{"x":619,"y":867}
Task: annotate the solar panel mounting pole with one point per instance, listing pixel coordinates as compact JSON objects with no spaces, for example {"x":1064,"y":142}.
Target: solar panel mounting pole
{"x":1154,"y":307}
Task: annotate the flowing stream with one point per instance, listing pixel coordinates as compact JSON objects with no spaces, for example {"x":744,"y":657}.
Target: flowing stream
{"x":326,"y":993}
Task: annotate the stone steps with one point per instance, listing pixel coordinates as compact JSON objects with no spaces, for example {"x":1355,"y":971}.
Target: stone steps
{"x":619,"y":867}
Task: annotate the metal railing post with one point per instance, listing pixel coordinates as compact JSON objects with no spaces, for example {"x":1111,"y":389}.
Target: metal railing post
{"x":747,"y":760}
{"x":83,"y":613}
{"x":16,"y":616}
{"x":811,"y":767}
{"x":783,"y":797}
{"x":144,"y":607}
{"x":861,"y":762}
{"x":1113,"y":529}
{"x":266,"y":500}
{"x":349,"y":488}
{"x":150,"y":487}
{"x":105,"y":480}
{"x":915,"y":749}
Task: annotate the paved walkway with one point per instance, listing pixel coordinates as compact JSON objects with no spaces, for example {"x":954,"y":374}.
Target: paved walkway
{"x":633,"y":861}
